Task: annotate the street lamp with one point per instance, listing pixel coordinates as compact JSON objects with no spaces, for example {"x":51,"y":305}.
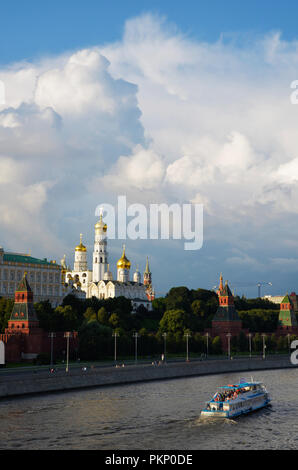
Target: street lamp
{"x":67,"y":335}
{"x":52,"y":335}
{"x":165,"y":340}
{"x":115,"y":345}
{"x":187,"y":335}
{"x":229,"y":345}
{"x":249,"y":337}
{"x":207,"y":344}
{"x":136,"y":335}
{"x":264,"y":345}
{"x":288,"y":336}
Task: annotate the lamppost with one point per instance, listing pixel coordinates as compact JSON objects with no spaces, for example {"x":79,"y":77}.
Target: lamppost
{"x":187,"y":335}
{"x":165,"y":342}
{"x":288,"y":336}
{"x":249,"y":338}
{"x":229,"y":345}
{"x":52,"y":335}
{"x":67,"y":335}
{"x":136,"y":335}
{"x":115,"y":346}
{"x":264,"y":345}
{"x":207,"y":344}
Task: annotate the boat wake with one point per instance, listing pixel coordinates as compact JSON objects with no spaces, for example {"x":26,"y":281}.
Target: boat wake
{"x":206,"y":421}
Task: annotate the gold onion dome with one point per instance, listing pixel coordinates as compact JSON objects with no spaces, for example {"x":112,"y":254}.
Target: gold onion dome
{"x":100,"y":225}
{"x":81,"y":247}
{"x":123,"y":262}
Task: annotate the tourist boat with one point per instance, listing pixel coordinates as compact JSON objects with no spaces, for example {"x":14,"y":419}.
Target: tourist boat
{"x":237,"y":399}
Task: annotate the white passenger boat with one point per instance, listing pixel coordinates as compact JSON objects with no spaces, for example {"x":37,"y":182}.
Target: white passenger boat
{"x":237,"y":399}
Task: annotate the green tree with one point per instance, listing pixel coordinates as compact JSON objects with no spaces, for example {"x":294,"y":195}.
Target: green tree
{"x":178,"y":298}
{"x":114,"y":321}
{"x":6,"y":306}
{"x":90,"y":314}
{"x":45,"y":315}
{"x":95,"y":341}
{"x":257,"y":342}
{"x":242,"y":342}
{"x":216,"y":347}
{"x":67,"y":318}
{"x":102,"y":316}
{"x":174,"y":321}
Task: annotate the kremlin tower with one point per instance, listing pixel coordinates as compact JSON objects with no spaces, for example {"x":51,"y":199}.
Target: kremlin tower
{"x":226,"y":320}
{"x":287,"y":322}
{"x":23,"y":318}
{"x":147,"y":279}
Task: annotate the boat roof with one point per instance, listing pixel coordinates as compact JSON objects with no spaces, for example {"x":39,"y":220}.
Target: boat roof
{"x":240,"y":385}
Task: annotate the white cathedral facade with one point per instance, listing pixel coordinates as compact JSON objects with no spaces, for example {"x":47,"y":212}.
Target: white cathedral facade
{"x":99,"y":281}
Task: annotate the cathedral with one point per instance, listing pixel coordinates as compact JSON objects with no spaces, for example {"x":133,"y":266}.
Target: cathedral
{"x":99,"y":281}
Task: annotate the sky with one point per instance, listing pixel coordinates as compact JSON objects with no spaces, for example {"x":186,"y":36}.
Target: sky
{"x":164,"y":102}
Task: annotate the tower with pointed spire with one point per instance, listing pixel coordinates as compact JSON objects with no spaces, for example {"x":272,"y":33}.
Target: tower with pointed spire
{"x":147,"y":280}
{"x":226,"y":320}
{"x":23,"y":316}
{"x":147,"y":274}
{"x":100,"y":253}
{"x":287,"y":318}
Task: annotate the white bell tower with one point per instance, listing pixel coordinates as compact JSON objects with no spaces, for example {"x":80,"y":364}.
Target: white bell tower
{"x":100,"y":254}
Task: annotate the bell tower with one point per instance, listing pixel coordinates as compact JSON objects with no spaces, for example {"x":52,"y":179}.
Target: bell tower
{"x":100,"y":253}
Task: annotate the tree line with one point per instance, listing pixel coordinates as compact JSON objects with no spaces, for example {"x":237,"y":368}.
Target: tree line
{"x":180,"y":312}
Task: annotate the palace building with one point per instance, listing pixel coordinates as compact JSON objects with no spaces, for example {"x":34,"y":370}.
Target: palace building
{"x":99,"y":281}
{"x":45,"y":276}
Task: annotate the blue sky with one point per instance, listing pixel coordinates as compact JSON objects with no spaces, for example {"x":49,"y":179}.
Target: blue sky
{"x":163,"y":101}
{"x":33,"y":28}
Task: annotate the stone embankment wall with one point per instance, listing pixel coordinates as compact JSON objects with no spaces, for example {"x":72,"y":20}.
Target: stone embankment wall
{"x":44,"y":382}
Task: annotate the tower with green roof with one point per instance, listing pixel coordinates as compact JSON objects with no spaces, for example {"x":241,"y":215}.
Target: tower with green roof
{"x":287,"y":317}
{"x":23,"y":316}
{"x":226,"y":322}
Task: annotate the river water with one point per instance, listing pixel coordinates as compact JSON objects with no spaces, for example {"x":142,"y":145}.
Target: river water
{"x":159,"y":415}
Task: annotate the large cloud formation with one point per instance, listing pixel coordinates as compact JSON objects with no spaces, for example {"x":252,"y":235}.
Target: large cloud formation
{"x":160,"y":117}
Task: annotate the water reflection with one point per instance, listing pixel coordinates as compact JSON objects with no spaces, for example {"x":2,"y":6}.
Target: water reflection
{"x":157,"y":415}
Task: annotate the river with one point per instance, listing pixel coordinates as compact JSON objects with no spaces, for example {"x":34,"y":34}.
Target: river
{"x":154,"y":415}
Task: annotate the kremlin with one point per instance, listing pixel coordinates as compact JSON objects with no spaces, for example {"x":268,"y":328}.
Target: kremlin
{"x":99,"y":281}
{"x":26,"y":278}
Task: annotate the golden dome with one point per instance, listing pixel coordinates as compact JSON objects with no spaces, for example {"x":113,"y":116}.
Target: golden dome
{"x":100,"y":225}
{"x":123,"y":262}
{"x":81,"y":247}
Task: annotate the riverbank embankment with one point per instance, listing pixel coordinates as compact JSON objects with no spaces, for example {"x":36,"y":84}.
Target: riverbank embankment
{"x":46,"y":382}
